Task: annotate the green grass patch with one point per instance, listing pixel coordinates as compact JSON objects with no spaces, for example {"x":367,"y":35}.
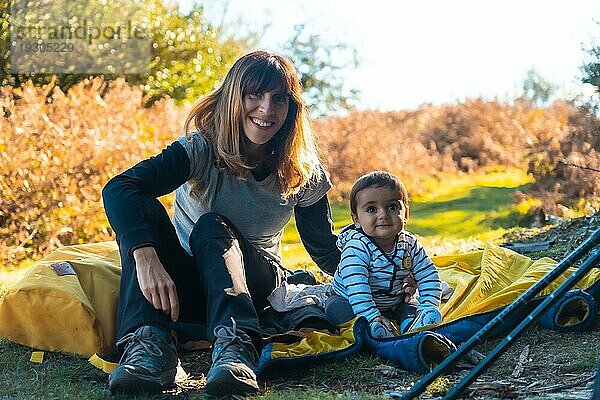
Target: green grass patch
{"x":60,"y":376}
{"x":466,"y":207}
{"x":455,"y":214}
{"x":293,"y":253}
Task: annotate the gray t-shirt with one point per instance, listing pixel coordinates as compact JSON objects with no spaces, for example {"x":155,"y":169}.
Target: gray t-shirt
{"x":257,"y":209}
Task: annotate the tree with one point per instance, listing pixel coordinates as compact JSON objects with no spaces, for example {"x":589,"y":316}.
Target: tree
{"x":189,"y":55}
{"x":591,"y":70}
{"x":538,"y":90}
{"x":320,"y":65}
{"x":186,"y":55}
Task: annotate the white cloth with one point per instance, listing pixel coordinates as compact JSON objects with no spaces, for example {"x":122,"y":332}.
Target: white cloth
{"x":288,"y":296}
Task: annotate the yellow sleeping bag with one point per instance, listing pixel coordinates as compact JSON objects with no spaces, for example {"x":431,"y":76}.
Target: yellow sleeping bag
{"x":66,"y":302}
{"x":488,"y":279}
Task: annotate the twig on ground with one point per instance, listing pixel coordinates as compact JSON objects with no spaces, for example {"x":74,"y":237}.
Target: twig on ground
{"x":21,"y":245}
{"x":496,"y":388}
{"x":578,"y":166}
{"x":529,"y":247}
{"x":521,"y":363}
{"x":555,"y":388}
{"x":532,"y":385}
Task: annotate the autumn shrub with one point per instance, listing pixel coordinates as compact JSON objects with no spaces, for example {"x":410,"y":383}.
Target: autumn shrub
{"x":434,"y":141}
{"x":567,"y":169}
{"x":364,"y":141}
{"x":58,"y":150}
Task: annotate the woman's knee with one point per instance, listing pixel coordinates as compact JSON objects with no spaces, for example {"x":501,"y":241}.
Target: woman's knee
{"x":212,"y":229}
{"x":159,"y":225}
{"x":212,"y":225}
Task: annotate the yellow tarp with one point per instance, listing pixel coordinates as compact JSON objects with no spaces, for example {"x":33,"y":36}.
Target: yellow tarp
{"x":77,"y":313}
{"x":316,"y":342}
{"x":488,"y":279}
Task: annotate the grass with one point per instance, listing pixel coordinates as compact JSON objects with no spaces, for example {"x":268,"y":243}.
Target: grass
{"x":60,"y":376}
{"x":482,"y":207}
{"x":459,"y":215}
{"x":293,"y":253}
{"x":311,"y":394}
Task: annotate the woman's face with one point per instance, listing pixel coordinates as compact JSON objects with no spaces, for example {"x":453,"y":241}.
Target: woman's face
{"x":264,"y":114}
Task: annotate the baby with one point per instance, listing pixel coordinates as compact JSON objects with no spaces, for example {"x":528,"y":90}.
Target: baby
{"x":378,"y":256}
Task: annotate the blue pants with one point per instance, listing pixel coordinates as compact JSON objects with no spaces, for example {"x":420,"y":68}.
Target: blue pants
{"x":339,"y":310}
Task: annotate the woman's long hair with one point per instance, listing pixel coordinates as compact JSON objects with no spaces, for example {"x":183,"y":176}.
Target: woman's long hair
{"x":218,"y":116}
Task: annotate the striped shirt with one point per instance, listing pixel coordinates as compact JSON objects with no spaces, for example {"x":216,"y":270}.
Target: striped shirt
{"x":372,"y":280}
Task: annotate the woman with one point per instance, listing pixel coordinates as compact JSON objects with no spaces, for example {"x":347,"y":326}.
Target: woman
{"x":238,"y":177}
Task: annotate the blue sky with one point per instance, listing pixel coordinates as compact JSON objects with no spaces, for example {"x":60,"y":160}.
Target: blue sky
{"x":432,"y":51}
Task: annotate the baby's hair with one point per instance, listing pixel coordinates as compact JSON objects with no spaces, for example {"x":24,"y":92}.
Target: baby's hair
{"x":378,"y":179}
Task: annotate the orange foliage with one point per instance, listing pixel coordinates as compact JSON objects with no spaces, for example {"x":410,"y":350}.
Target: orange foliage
{"x":454,"y":138}
{"x":567,"y":171}
{"x":58,"y":150}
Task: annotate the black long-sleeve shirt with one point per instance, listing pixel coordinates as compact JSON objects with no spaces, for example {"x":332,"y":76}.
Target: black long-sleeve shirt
{"x":168,"y":171}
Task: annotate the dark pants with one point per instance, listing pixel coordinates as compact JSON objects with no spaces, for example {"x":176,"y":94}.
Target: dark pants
{"x":339,"y":310}
{"x":225,"y":277}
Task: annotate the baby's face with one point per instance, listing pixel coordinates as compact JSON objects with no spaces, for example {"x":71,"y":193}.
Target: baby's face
{"x":380,"y":214}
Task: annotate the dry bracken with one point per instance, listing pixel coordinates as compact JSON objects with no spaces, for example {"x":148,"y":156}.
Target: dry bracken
{"x":57,"y":151}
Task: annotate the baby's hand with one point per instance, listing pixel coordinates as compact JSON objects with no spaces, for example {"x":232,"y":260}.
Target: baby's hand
{"x":409,"y":287}
{"x":389,"y":325}
{"x":381,"y":327}
{"x":426,"y":316}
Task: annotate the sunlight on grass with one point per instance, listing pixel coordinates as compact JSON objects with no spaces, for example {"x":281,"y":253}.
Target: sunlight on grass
{"x":292,"y":251}
{"x":507,"y":178}
{"x":481,"y":207}
{"x":456,"y":214}
{"x":452,"y":187}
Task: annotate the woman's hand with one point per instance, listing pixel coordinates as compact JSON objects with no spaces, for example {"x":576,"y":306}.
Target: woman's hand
{"x":409,"y":287}
{"x":155,"y":283}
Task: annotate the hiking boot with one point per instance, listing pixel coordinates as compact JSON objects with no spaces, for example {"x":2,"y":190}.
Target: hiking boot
{"x":148,"y":363}
{"x":233,"y":360}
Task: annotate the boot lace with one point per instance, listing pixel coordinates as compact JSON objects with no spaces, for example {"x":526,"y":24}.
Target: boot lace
{"x":139,"y":348}
{"x":233,"y":347}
